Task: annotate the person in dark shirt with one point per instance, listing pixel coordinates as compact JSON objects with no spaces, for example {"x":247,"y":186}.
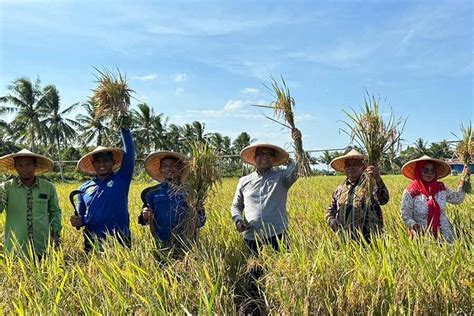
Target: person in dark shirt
{"x":165,"y":206}
{"x":103,"y":203}
{"x":348,"y":212}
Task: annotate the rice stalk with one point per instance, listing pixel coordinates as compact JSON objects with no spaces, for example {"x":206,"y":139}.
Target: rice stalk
{"x":112,"y":97}
{"x":203,"y":176}
{"x":464,"y":152}
{"x":283,"y":107}
{"x":376,"y":136}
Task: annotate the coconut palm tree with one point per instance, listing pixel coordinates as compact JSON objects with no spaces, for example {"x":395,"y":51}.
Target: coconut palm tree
{"x":420,"y":147}
{"x":221,"y":144}
{"x":26,"y":100}
{"x":326,"y":159}
{"x":242,"y":141}
{"x":149,"y":128}
{"x":174,"y":139}
{"x":92,"y":128}
{"x":61,"y":130}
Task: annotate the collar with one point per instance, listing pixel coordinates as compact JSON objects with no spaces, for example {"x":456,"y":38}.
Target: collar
{"x":263,"y":174}
{"x":19,"y":183}
{"x":96,"y":180}
{"x":348,"y":183}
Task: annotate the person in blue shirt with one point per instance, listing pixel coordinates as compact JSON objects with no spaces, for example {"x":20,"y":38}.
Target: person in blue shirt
{"x":165,"y":206}
{"x":103,"y":202}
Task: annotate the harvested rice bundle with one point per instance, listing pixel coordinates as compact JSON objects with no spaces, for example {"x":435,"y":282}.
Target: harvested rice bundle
{"x":112,"y":97}
{"x":376,"y":136}
{"x":283,"y":106}
{"x":464,"y":152}
{"x":203,"y":175}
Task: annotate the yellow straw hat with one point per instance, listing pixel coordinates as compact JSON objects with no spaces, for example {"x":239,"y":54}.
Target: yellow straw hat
{"x":85,"y":163}
{"x":442,"y":168}
{"x":248,"y":154}
{"x":43,"y":164}
{"x":153,"y":163}
{"x":339,"y":162}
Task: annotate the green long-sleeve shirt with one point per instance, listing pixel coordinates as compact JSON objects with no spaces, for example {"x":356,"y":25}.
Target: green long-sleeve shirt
{"x":31,"y":213}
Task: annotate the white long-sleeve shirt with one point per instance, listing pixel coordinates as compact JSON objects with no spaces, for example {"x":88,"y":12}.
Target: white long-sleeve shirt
{"x":263,"y":198}
{"x":414,"y":210}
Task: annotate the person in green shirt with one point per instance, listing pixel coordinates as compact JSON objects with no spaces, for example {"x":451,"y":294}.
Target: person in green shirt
{"x":33,"y":216}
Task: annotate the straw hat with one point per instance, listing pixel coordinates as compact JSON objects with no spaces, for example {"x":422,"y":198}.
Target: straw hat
{"x":339,"y":162}
{"x":85,"y":163}
{"x":43,"y":164}
{"x":153,"y":163}
{"x":442,"y":168}
{"x":248,"y":154}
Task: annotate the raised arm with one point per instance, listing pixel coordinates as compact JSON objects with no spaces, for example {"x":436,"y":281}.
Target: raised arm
{"x":455,"y":197}
{"x":128,"y":162}
{"x":290,"y":174}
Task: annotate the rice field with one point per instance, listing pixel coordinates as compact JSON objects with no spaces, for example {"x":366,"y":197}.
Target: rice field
{"x":320,"y":275}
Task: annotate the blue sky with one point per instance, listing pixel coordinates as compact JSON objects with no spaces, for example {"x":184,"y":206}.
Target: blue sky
{"x":206,"y":61}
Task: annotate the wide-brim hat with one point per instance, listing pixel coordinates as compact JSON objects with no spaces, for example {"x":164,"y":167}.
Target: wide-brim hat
{"x":153,"y":163}
{"x":442,"y":168}
{"x":43,"y":164}
{"x":339,"y":163}
{"x":85,"y":163}
{"x":248,"y":154}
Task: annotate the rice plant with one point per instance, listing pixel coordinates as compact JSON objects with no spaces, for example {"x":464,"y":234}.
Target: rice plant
{"x":319,"y":275}
{"x":283,"y":107}
{"x":112,"y":97}
{"x":202,"y":177}
{"x":376,"y":136}
{"x":464,"y":152}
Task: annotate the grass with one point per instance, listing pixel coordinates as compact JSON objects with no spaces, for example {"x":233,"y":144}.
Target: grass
{"x":319,"y":275}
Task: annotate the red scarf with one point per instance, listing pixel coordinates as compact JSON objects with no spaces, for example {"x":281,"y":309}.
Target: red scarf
{"x":428,"y":189}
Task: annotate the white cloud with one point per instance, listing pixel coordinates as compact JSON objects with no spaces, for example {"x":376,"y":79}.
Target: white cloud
{"x":233,"y":105}
{"x":146,"y":78}
{"x":178,"y":91}
{"x":180,"y":77}
{"x":249,"y":91}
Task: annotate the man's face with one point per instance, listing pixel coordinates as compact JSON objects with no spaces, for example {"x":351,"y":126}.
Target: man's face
{"x":169,"y":167}
{"x":264,"y":158}
{"x":25,"y":166}
{"x":428,"y":173}
{"x":103,"y":165}
{"x":353,"y":168}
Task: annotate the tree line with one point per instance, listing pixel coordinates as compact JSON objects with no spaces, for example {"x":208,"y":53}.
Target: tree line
{"x":42,"y":124}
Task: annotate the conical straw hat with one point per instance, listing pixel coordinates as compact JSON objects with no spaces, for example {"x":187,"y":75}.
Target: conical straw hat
{"x":442,"y":168}
{"x":85,"y":163}
{"x":43,"y":164}
{"x":339,"y":162}
{"x":248,"y":154}
{"x":153,"y":163}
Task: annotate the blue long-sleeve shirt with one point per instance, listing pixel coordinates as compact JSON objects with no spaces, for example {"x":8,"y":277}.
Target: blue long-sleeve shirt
{"x":104,"y":204}
{"x":170,"y":211}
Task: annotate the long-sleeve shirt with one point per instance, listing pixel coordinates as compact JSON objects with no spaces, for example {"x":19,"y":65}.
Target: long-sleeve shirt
{"x":342,"y":209}
{"x":414,"y":210}
{"x":170,"y":210}
{"x":263,"y":198}
{"x":32,"y":214}
{"x":104,"y":204}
